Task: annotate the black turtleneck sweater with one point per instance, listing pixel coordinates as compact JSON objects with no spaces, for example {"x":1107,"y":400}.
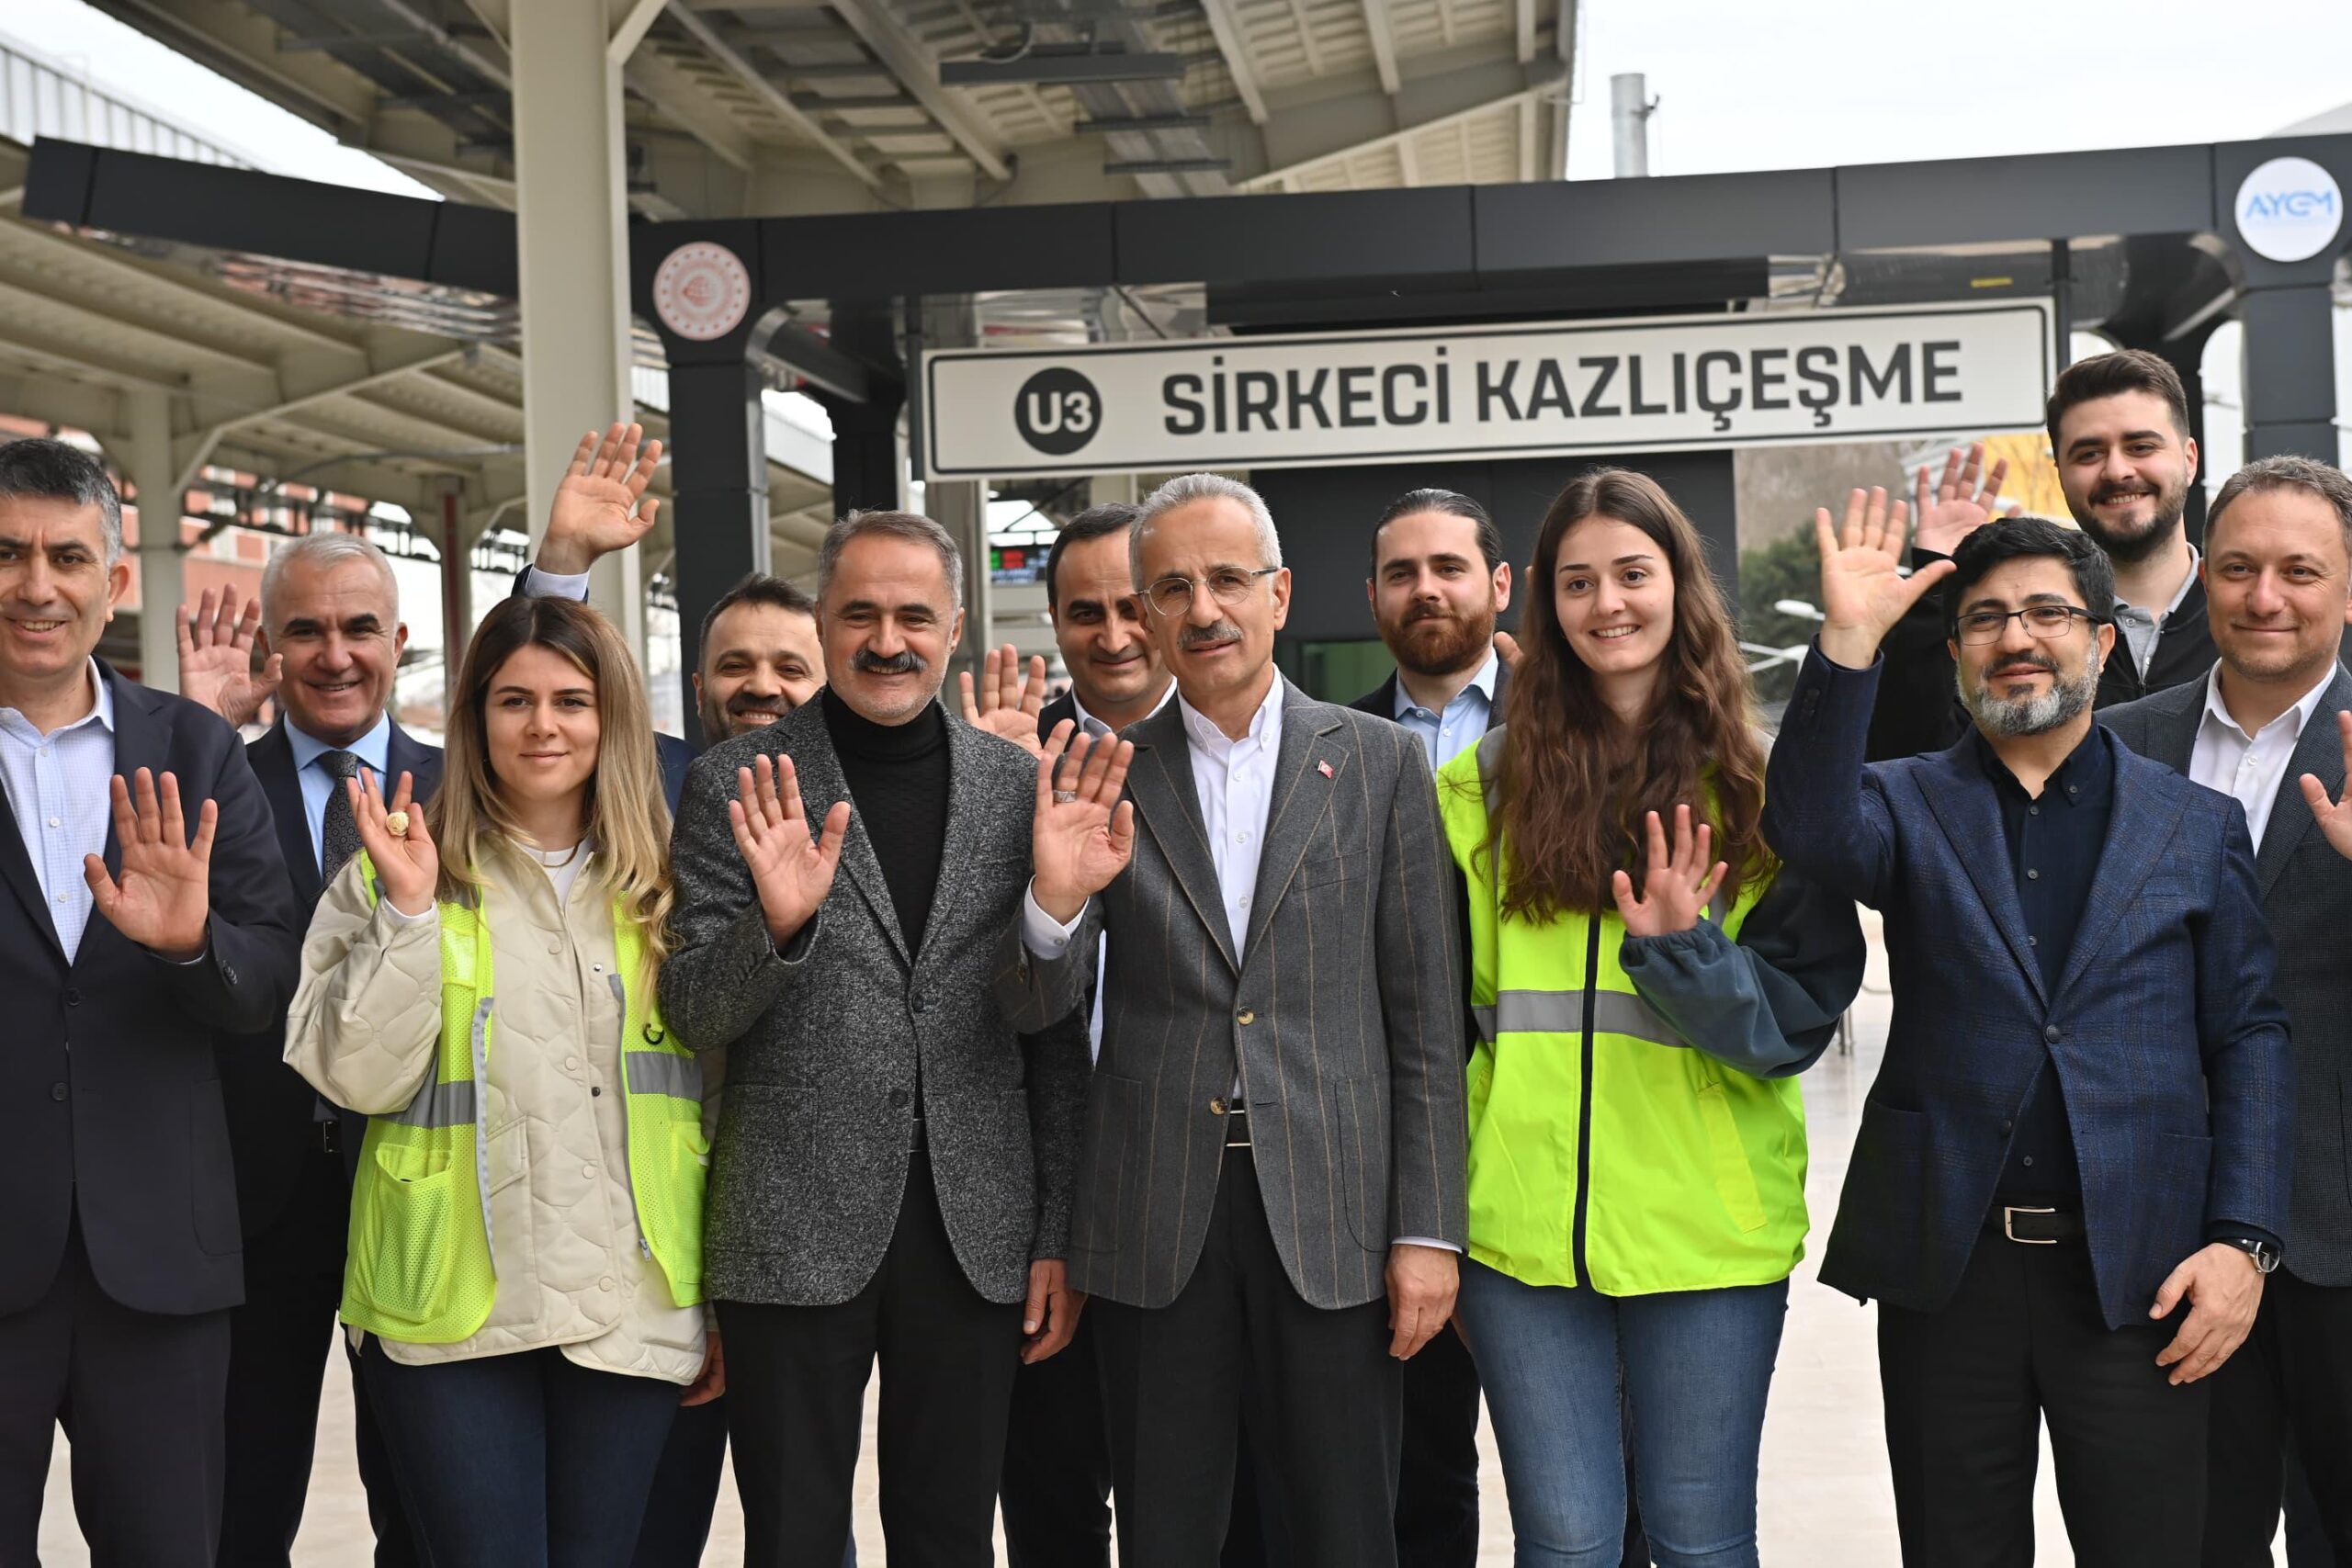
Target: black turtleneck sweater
{"x":896,"y":775}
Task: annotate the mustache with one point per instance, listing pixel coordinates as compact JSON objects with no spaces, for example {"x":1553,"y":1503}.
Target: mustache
{"x":905,"y":662}
{"x":1210,"y":636}
{"x":1420,"y":612}
{"x":2038,"y":661}
{"x":2121,"y":493}
{"x":775,"y":707}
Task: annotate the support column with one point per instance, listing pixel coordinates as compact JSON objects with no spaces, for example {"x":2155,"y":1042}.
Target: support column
{"x":162,"y":578}
{"x":718,"y":473}
{"x":572,"y":253}
{"x":2290,"y":372}
{"x":456,"y":582}
{"x":958,"y":505}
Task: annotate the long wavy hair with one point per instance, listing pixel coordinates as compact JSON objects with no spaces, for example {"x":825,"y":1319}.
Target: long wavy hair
{"x":1574,"y":780}
{"x":627,"y":816}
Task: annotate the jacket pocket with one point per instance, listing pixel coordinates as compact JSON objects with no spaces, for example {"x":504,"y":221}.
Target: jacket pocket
{"x":1735,"y":1177}
{"x":1114,"y":1110}
{"x":400,"y":1251}
{"x":1356,"y":865}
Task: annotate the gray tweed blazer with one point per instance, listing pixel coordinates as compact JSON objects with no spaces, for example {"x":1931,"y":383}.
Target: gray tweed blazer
{"x":811,"y":1162}
{"x":1340,"y":1008}
{"x":2307,"y":892}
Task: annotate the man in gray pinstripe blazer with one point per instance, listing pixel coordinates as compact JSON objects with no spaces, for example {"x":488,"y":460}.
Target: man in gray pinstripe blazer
{"x":1270,"y":1203}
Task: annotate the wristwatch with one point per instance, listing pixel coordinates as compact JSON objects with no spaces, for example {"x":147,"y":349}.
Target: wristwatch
{"x":2265,"y":1254}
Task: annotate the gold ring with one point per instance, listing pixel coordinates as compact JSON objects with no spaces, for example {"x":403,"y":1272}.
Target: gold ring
{"x":1064,"y":797}
{"x":396,"y":824}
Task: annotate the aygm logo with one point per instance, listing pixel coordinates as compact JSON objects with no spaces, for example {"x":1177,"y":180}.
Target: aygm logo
{"x":2289,"y":210}
{"x":1057,"y":411}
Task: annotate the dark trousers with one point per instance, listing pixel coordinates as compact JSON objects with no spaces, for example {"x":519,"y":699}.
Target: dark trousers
{"x":1055,"y":1492}
{"x":279,"y":1344}
{"x":685,"y":1489}
{"x":139,"y":1396}
{"x":1437,"y":1482}
{"x":1967,"y":1389}
{"x":2288,"y":1387}
{"x":1318,"y":1391}
{"x":521,"y":1461}
{"x":798,"y":1380}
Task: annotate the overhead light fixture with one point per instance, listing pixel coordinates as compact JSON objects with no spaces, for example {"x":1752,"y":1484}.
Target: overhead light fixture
{"x":1042,"y":69}
{"x":1170,"y":167}
{"x":1143,"y":122}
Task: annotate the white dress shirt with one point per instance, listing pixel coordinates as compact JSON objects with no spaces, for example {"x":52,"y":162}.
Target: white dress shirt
{"x":1089,"y":724}
{"x":2249,"y":767}
{"x":1445,"y":735}
{"x":60,"y":788}
{"x":318,"y":782}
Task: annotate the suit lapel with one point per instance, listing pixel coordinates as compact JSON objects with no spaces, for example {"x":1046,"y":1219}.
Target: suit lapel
{"x":272,"y":757}
{"x":1502,"y":684}
{"x":961,"y":845}
{"x":1315,"y":752}
{"x":141,"y":740}
{"x":1160,"y":781}
{"x":2319,"y":751}
{"x":805,"y":739}
{"x":2149,"y":802}
{"x":1961,"y":799}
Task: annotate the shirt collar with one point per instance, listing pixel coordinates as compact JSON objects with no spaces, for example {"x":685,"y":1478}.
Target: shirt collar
{"x":1088,"y":723}
{"x":101,"y":706}
{"x":1205,"y":732}
{"x":2218,"y":712}
{"x":2082,"y":777}
{"x":373,"y":749}
{"x":1483,"y":682}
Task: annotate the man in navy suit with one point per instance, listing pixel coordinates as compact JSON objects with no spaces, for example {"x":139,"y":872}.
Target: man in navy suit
{"x":2071,"y":1173}
{"x":144,"y":911}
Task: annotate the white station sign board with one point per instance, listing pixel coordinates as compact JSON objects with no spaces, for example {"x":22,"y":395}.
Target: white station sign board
{"x":1645,"y":384}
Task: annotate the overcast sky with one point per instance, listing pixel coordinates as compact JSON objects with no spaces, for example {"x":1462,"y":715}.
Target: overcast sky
{"x":1742,"y":86}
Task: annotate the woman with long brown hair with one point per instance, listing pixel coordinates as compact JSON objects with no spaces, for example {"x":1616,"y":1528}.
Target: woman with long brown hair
{"x":524,"y":1270}
{"x":1646,"y":982}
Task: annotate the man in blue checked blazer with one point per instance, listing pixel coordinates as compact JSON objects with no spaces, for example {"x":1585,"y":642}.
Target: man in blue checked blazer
{"x":2072,"y":1172}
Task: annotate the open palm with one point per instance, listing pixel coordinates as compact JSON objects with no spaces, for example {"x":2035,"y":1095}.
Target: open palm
{"x":159,"y":899}
{"x":791,"y":869}
{"x":215,"y":646}
{"x":1965,"y":499}
{"x":1863,"y":590}
{"x":601,"y":506}
{"x":1084,"y":833}
{"x":2334,"y":816}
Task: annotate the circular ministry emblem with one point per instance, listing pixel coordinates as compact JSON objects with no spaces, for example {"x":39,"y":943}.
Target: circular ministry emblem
{"x":2289,"y":209}
{"x":702,"y":291}
{"x":1058,"y":411}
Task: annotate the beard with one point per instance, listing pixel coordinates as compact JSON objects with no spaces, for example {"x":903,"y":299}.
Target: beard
{"x":2013,"y":716}
{"x":1443,"y":643}
{"x":2129,"y":548}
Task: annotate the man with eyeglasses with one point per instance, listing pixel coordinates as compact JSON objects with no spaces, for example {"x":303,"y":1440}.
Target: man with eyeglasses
{"x":2071,"y":1173}
{"x":1270,"y":1205}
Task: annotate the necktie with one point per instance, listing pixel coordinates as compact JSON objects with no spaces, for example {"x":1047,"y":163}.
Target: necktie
{"x":339,"y":833}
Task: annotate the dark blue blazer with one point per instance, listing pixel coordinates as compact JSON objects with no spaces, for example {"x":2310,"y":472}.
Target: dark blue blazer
{"x":2170,"y":1044}
{"x":111,"y":1109}
{"x":271,"y":1109}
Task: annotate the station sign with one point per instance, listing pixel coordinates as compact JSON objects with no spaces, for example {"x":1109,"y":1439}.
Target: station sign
{"x":1524,"y":390}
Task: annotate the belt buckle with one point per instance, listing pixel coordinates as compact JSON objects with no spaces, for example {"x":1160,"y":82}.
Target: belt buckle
{"x":329,"y":1137}
{"x":1232,"y":1126}
{"x":2009,"y":1226}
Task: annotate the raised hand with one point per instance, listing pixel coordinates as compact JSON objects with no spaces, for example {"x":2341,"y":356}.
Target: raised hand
{"x":1084,"y":833}
{"x":1507,"y":650}
{"x":216,"y":658}
{"x":791,"y":869}
{"x":1863,"y":590}
{"x":1008,"y":702}
{"x":1677,"y":885}
{"x":159,"y":901}
{"x":1957,"y":505}
{"x":2334,"y":816}
{"x":407,"y":863}
{"x":601,"y":506}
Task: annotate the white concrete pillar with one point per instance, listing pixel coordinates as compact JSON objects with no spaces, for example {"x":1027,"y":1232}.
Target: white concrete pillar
{"x":573,"y":248}
{"x":162,"y":578}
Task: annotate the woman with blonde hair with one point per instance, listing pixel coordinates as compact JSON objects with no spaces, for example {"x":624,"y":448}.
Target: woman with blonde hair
{"x":525,"y":1267}
{"x":1646,"y":981}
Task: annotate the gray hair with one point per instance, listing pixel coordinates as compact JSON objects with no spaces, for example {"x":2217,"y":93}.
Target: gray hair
{"x":1185,"y":489}
{"x":323,"y":552}
{"x":911,"y":526}
{"x":41,"y":469}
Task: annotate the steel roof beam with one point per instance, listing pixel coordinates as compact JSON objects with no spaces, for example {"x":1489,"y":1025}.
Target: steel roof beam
{"x":771,"y":95}
{"x":1384,"y":43}
{"x":916,"y":71}
{"x":1231,"y":43}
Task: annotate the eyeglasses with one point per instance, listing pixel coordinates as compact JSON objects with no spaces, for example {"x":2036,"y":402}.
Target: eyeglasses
{"x":2040,"y":620}
{"x":1172,"y":596}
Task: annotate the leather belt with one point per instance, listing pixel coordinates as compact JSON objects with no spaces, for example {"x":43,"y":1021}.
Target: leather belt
{"x":2039,"y":1227}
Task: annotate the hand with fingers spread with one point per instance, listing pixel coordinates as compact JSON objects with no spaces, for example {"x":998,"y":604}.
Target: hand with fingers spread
{"x":161,"y":899}
{"x":1678,"y":885}
{"x":1008,"y":702}
{"x":2223,"y":1290}
{"x":2334,"y":817}
{"x":1957,"y":504}
{"x":791,"y":868}
{"x":1864,"y":591}
{"x":216,"y":658}
{"x":601,"y":506}
{"x":406,"y":860}
{"x":1084,"y":833}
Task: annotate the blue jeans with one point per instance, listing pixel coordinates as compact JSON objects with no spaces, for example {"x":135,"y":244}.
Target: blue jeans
{"x":1697,"y":1366}
{"x":524,"y":1461}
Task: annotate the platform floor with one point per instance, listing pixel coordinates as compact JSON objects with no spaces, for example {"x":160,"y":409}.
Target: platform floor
{"x":1824,"y":1498}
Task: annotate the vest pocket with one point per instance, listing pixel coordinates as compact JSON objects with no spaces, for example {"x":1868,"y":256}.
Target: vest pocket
{"x":1735,"y":1177}
{"x":401,"y":1262}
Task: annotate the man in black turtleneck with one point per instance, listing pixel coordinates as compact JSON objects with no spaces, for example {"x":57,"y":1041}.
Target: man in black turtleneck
{"x":891,"y":1177}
